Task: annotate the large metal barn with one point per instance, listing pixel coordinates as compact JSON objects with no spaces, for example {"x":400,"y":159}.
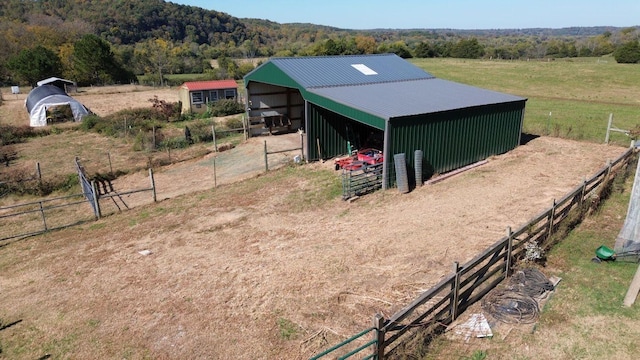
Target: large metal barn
{"x":385,"y":102}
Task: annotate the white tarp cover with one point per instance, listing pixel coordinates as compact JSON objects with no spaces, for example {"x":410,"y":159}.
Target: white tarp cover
{"x":628,"y":239}
{"x":43,"y":97}
{"x":38,"y":115}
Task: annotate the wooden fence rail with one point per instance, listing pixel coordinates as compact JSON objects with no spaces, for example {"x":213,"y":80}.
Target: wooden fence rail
{"x":443,"y":303}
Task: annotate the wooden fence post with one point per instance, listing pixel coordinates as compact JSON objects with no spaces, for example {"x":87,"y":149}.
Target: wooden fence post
{"x":153,"y":184}
{"x":39,"y":174}
{"x":215,"y":176}
{"x":215,"y":143}
{"x":266,"y":161}
{"x":455,"y":291}
{"x":44,"y":220}
{"x":111,"y":166}
{"x":552,"y":215}
{"x":378,"y":324}
{"x":509,"y":250}
{"x":606,"y":138}
{"x":244,"y":128}
{"x":94,"y":193}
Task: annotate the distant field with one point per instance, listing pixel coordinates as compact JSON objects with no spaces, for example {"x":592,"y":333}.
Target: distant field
{"x":569,"y":98}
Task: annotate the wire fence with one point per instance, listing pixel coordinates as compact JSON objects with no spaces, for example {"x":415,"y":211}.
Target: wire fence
{"x":37,"y":217}
{"x":48,"y":214}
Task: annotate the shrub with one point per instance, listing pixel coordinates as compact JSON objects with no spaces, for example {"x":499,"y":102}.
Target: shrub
{"x":175,"y":143}
{"x":166,"y":110}
{"x":17,"y":134}
{"x":628,"y":53}
{"x":233,"y":123}
{"x":225,"y":107}
{"x":89,"y":122}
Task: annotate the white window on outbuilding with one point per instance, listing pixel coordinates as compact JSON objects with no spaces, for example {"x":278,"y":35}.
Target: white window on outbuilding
{"x":229,"y":94}
{"x":213,"y":95}
{"x":197,"y":97}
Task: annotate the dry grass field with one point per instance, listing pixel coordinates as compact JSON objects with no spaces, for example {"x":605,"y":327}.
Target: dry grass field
{"x":266,"y":268}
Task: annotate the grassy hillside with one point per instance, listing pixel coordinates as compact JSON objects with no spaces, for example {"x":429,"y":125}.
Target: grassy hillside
{"x":569,"y":98}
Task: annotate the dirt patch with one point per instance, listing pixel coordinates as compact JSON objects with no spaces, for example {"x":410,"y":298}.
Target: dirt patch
{"x":243,"y":272}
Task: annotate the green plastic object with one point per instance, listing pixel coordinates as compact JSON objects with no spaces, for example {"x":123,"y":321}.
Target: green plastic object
{"x":605,"y":253}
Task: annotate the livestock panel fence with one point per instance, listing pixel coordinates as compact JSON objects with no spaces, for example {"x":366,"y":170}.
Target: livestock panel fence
{"x":433,"y":310}
{"x":37,"y":217}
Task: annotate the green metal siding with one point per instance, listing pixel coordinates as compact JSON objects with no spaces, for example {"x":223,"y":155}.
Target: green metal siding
{"x":330,"y":129}
{"x":271,"y":74}
{"x":347,"y":111}
{"x":451,"y":140}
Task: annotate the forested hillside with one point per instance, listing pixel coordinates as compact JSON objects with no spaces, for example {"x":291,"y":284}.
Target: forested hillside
{"x":111,"y":41}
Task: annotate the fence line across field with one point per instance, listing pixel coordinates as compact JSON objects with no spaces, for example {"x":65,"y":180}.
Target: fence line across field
{"x":40,"y":208}
{"x":469,"y":283}
{"x":90,"y":193}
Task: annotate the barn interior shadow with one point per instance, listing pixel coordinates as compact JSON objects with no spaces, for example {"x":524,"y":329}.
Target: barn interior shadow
{"x":525,"y":138}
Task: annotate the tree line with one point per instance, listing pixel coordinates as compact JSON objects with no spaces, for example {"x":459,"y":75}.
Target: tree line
{"x":117,"y":41}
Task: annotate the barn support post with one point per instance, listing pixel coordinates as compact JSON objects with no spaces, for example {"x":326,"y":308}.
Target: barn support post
{"x":153,"y":184}
{"x":386,"y":151}
{"x":306,"y":127}
{"x":302,"y":145}
{"x":455,"y":291}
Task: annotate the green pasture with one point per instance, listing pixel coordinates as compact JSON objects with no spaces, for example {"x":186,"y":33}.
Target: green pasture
{"x":569,"y":98}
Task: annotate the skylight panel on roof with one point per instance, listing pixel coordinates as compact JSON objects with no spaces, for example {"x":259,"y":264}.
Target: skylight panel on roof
{"x":364,"y":69}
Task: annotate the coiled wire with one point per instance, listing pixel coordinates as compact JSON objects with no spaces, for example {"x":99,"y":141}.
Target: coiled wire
{"x":516,"y":303}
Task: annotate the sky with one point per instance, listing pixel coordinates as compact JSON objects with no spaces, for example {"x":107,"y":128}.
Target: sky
{"x":434,"y":14}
